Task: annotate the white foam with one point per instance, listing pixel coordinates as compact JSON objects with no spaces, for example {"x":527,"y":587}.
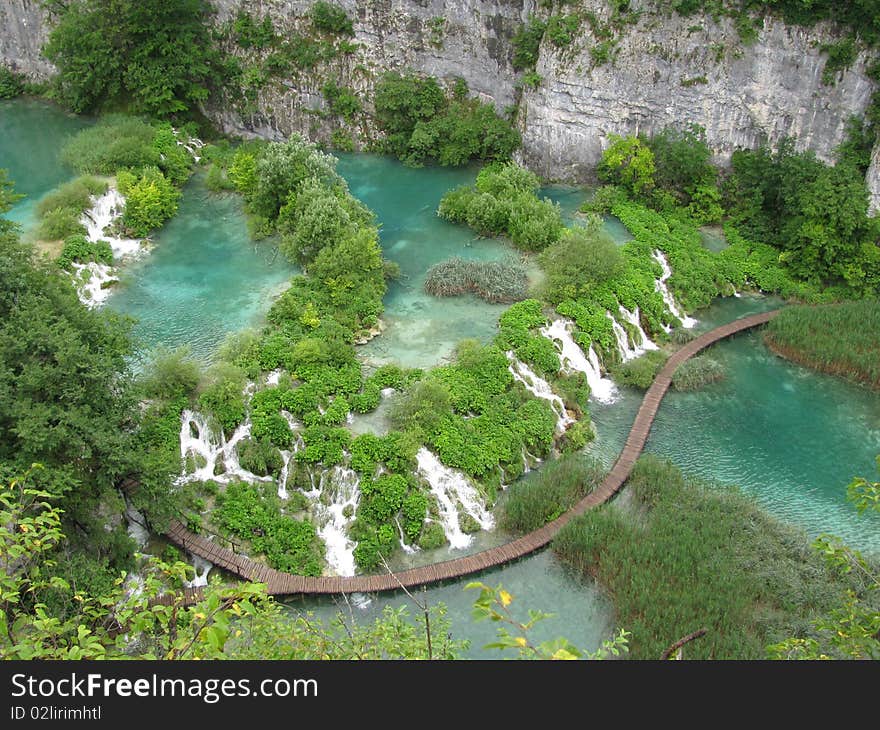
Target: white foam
{"x":572,"y":359}
{"x":451,"y":487}
{"x":668,"y":299}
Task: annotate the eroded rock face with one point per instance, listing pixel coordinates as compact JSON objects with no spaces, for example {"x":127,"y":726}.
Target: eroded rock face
{"x":666,"y":71}
{"x":672,"y":71}
{"x":23,"y":30}
{"x":874,"y":181}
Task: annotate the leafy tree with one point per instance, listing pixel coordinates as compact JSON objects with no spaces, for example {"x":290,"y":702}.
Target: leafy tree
{"x":421,"y":123}
{"x":150,"y":199}
{"x":152,"y":55}
{"x":582,"y":258}
{"x":629,"y":163}
{"x":65,"y":396}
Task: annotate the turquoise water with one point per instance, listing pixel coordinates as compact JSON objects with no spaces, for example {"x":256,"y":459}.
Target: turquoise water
{"x":421,"y":330}
{"x":32,"y":134}
{"x":204,"y":278}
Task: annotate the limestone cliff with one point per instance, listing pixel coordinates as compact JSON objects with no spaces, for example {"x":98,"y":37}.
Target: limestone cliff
{"x":23,"y":31}
{"x":662,"y":70}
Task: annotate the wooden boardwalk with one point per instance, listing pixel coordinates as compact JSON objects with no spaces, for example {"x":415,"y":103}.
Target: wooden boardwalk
{"x":279,"y":583}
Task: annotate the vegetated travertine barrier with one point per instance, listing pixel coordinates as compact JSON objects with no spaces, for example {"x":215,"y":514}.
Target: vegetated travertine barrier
{"x":279,"y":583}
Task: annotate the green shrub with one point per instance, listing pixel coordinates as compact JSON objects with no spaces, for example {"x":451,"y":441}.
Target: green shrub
{"x":150,"y":200}
{"x":60,"y":223}
{"x":527,"y":43}
{"x":640,"y":372}
{"x":341,"y":100}
{"x":421,"y":123}
{"x":582,"y":258}
{"x":74,"y":195}
{"x":170,"y":375}
{"x":259,"y":457}
{"x":115,"y":142}
{"x":223,"y":396}
{"x":543,"y":495}
{"x":78,"y":248}
{"x":331,"y":18}
{"x":11,"y":83}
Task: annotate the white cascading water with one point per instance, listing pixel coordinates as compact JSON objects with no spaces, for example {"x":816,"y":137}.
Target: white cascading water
{"x":540,"y":388}
{"x":342,"y":485}
{"x":635,"y":319}
{"x":92,"y":282}
{"x":572,"y":359}
{"x":408,"y":549}
{"x":204,"y":444}
{"x":668,"y":299}
{"x":451,"y":487}
{"x":105,"y":210}
{"x":201,"y":567}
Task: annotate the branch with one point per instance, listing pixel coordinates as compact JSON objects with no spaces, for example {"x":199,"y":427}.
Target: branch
{"x":681,"y":642}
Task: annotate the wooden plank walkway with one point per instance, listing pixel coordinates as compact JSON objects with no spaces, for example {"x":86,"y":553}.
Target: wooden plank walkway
{"x":279,"y":583}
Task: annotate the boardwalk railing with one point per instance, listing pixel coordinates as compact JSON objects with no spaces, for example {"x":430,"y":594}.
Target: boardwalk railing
{"x":279,"y":583}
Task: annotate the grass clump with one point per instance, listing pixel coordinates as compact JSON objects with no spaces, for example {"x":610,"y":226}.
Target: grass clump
{"x":697,"y":372}
{"x":839,"y":339}
{"x":542,"y":495}
{"x":494,"y":281}
{"x":701,"y":557}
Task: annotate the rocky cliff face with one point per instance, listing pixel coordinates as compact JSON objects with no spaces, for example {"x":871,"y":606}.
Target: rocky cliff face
{"x":874,"y":180}
{"x":672,"y":71}
{"x":23,"y":31}
{"x":446,"y":39}
{"x":664,"y":70}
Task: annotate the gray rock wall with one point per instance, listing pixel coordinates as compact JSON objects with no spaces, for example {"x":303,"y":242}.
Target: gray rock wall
{"x":874,"y":181}
{"x":672,"y":71}
{"x":23,"y":31}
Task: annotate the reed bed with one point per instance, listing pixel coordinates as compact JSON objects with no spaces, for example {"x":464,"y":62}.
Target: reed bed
{"x":840,"y":339}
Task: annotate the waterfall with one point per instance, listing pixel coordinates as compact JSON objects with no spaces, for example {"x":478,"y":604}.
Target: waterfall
{"x":635,"y":319}
{"x":200,"y":444}
{"x":92,"y":282}
{"x":343,"y":487}
{"x":660,"y":286}
{"x":408,"y":549}
{"x":540,"y":388}
{"x":273,"y":377}
{"x":202,"y":567}
{"x":627,"y":352}
{"x":573,"y":359}
{"x":105,"y":210}
{"x":92,"y":279}
{"x":451,"y":487}
{"x":205,"y":445}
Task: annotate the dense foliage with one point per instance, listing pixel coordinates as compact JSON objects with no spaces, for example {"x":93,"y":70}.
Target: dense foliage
{"x":494,"y":281}
{"x":422,"y":123}
{"x":66,"y":402}
{"x":815,"y":214}
{"x":504,"y":201}
{"x":701,"y":556}
{"x":842,"y":339}
{"x":150,"y":56}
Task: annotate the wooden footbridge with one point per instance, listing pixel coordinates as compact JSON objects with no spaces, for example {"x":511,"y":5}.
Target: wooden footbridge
{"x":279,"y":583}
